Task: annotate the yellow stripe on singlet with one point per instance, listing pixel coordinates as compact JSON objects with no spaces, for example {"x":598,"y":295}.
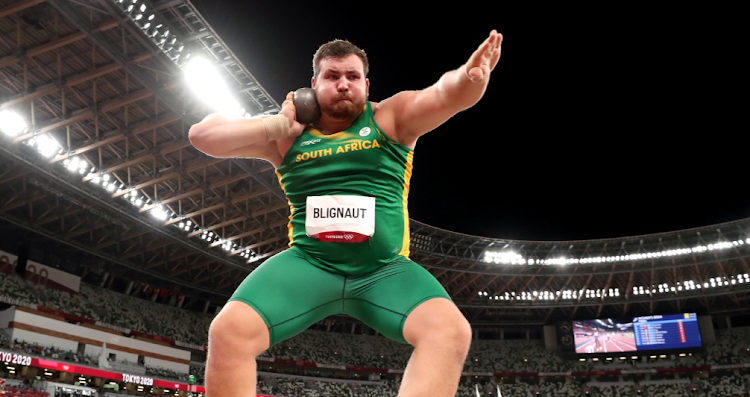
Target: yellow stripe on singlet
{"x":405,"y":196}
{"x":290,"y":229}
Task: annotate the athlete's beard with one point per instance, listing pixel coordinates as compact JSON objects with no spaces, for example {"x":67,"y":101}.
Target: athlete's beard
{"x":343,"y":109}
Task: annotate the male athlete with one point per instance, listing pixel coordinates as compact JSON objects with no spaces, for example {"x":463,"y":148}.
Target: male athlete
{"x":346,"y":177}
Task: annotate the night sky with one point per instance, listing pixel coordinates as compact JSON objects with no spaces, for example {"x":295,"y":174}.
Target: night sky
{"x":603,"y":122}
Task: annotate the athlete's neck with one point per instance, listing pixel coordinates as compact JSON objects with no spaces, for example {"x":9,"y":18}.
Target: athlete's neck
{"x":329,"y":125}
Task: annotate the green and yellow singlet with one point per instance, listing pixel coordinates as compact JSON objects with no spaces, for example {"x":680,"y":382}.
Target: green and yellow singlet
{"x":356,"y":163}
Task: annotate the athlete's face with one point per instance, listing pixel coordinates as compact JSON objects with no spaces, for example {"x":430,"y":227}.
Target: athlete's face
{"x":341,"y":87}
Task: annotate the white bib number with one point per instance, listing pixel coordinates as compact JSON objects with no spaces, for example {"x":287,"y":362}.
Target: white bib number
{"x":343,"y":219}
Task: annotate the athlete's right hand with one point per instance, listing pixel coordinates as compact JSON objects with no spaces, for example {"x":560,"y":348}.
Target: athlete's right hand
{"x":288,"y":110}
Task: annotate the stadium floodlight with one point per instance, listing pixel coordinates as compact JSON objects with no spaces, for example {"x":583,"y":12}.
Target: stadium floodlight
{"x":206,"y":82}
{"x":160,"y":212}
{"x":151,"y":26}
{"x":11,"y":123}
{"x":504,"y":257}
{"x":45,"y":144}
{"x":512,"y":258}
{"x":76,"y":164}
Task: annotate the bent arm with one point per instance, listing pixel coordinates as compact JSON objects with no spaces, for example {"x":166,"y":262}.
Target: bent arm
{"x":260,"y":137}
{"x":221,"y":136}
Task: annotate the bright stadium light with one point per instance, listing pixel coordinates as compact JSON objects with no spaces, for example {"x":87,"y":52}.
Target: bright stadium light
{"x":45,"y":144}
{"x":160,"y":213}
{"x":11,"y":123}
{"x":206,"y":82}
{"x":513,"y":258}
{"x":76,"y":164}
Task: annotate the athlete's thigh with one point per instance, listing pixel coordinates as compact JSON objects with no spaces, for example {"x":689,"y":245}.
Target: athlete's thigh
{"x":384,"y":299}
{"x":290,"y":294}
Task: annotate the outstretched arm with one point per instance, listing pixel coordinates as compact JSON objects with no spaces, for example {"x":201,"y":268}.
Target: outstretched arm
{"x":410,"y":114}
{"x":221,"y":136}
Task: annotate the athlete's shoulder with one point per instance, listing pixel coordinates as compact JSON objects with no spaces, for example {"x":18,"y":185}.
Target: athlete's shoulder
{"x":382,"y":114}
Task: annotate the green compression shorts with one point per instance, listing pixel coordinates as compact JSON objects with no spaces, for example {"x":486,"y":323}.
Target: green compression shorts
{"x":290,"y":293}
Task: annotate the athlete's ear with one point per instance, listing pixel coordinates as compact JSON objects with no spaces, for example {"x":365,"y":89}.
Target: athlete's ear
{"x":312,"y":82}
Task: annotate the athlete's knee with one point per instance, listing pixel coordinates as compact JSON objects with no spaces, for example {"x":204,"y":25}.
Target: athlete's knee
{"x":238,"y":327}
{"x":459,"y":334}
{"x":438,"y":322}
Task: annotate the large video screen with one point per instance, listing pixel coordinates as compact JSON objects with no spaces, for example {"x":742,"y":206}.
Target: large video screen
{"x":636,"y":334}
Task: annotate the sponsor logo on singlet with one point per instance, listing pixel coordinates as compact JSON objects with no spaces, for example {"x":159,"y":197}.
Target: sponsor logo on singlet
{"x":310,"y":142}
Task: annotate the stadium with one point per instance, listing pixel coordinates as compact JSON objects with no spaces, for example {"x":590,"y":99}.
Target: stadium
{"x":120,"y":242}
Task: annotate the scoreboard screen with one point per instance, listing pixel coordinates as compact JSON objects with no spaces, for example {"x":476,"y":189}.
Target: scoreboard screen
{"x":667,"y":331}
{"x":660,"y":332}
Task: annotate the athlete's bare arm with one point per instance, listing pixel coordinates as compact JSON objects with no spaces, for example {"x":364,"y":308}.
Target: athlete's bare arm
{"x":221,"y":136}
{"x":410,"y":114}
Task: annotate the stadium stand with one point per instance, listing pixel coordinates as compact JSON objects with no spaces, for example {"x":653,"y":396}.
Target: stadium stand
{"x":319,"y":363}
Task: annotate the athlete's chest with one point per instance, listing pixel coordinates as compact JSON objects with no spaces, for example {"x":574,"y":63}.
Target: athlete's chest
{"x":362,"y":147}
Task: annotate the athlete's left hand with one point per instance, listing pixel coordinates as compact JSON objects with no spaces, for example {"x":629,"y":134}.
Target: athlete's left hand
{"x":483,"y":61}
